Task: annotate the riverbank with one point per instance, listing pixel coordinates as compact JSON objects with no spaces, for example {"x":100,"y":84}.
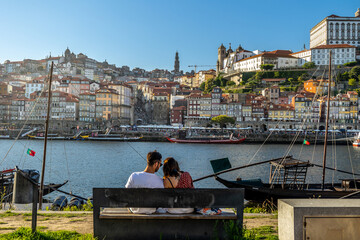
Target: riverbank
{"x":82,"y":222}
{"x":275,"y":137}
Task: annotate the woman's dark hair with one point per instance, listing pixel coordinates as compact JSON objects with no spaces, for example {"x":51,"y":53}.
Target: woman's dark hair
{"x":171,"y":168}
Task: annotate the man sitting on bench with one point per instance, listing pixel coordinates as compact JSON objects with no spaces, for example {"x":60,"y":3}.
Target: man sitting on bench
{"x":147,"y":179}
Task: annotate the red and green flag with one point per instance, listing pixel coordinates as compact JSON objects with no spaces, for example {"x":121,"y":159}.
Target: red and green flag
{"x":31,"y":152}
{"x":306,"y":142}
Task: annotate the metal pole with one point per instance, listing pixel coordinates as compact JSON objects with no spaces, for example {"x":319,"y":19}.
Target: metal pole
{"x":327,"y":123}
{"x":46,"y":135}
{"x":34,"y":208}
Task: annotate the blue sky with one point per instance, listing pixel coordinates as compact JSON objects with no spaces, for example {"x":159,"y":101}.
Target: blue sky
{"x":147,"y":33}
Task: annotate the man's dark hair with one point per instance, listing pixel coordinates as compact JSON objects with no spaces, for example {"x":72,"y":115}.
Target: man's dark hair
{"x":153,"y":157}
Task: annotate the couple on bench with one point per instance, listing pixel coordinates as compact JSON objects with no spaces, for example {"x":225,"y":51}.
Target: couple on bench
{"x":173,"y":178}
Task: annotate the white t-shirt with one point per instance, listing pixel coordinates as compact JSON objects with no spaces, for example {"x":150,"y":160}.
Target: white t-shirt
{"x":144,"y":180}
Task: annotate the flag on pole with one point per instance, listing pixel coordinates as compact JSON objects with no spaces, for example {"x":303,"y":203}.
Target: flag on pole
{"x":31,"y":152}
{"x":306,"y":142}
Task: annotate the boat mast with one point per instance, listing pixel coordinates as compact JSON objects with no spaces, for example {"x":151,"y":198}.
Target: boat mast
{"x":46,"y":135}
{"x":327,"y":123}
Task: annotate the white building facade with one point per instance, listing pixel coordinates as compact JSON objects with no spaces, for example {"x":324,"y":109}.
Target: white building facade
{"x":336,"y":30}
{"x":341,"y":53}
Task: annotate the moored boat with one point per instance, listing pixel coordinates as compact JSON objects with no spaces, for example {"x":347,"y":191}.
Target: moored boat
{"x":207,"y":140}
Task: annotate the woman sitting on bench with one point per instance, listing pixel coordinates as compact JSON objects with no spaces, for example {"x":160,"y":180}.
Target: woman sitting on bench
{"x":174,"y":178}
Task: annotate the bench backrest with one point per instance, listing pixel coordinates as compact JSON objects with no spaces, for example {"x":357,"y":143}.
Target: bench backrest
{"x":168,"y":198}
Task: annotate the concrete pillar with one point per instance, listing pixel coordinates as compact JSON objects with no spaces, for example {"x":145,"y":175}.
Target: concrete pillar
{"x":23,"y":189}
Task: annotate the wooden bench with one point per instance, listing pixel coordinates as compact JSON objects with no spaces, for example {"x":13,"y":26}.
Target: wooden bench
{"x":112,"y":220}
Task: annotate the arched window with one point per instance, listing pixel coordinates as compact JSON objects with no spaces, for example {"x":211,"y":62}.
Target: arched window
{"x":342,"y":29}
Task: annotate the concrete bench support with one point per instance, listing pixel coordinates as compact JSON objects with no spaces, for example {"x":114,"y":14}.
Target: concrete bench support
{"x":319,"y":219}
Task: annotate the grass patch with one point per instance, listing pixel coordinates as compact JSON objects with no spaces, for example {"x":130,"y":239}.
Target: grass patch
{"x":41,"y":227}
{"x":77,"y":220}
{"x":265,"y":232}
{"x":26,"y":234}
{"x":3,"y":223}
{"x":66,"y":215}
{"x":7,"y":228}
{"x":9,"y":214}
{"x":266,"y":207}
{"x":264,"y":216}
{"x":233,"y":232}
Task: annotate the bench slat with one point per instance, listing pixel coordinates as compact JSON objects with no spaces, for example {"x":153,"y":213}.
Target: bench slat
{"x":167,"y":216}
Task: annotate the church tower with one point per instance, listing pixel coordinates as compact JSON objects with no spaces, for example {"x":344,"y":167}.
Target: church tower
{"x":221,"y":57}
{"x":177,"y":63}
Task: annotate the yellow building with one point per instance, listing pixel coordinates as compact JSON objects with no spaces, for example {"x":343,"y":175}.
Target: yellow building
{"x":5,"y":89}
{"x":281,"y":112}
{"x":203,"y":76}
{"x":107,"y":104}
{"x":188,"y":80}
{"x":247,"y":112}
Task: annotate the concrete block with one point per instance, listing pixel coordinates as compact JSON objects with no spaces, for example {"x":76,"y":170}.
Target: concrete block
{"x":23,"y":189}
{"x":328,"y":219}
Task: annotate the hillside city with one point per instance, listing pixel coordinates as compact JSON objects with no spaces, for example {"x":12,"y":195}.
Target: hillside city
{"x":258,"y":89}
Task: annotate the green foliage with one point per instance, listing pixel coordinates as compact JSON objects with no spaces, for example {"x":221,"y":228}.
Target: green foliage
{"x":344,"y":77}
{"x":223,"y":120}
{"x":276,"y":74}
{"x":303,"y":77}
{"x":350,"y":64}
{"x":88,"y":206}
{"x":309,"y":65}
{"x":202,"y":86}
{"x":257,"y":209}
{"x":2,"y":197}
{"x":266,"y":66}
{"x":234,"y":232}
{"x":354,"y":72}
{"x":209,"y":85}
{"x":288,"y":89}
{"x":247,"y":75}
{"x":26,"y":234}
{"x":352,"y":81}
{"x":230,"y":83}
{"x":9,"y":214}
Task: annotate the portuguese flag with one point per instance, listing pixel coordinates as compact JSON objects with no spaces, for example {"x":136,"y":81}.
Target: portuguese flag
{"x":30,"y":152}
{"x":306,"y":142}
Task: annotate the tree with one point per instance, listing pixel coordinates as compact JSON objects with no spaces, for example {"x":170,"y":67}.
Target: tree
{"x":266,"y":66}
{"x":303,"y":77}
{"x":40,"y":68}
{"x":309,"y":65}
{"x":202,"y":86}
{"x":354,"y":72}
{"x":352,"y":81}
{"x":350,"y":64}
{"x":230,"y":83}
{"x":223,"y":120}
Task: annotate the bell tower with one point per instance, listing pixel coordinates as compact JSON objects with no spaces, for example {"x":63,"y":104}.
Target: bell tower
{"x":177,"y":63}
{"x":221,"y":57}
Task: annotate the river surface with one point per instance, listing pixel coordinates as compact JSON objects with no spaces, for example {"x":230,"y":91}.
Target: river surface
{"x":89,"y":164}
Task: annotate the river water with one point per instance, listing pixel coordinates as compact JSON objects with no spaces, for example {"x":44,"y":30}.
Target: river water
{"x":89,"y":164}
